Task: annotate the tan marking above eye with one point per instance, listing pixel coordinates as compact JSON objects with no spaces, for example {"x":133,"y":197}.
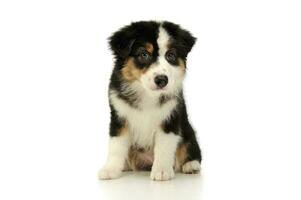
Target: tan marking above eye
{"x":149,"y":47}
{"x":130,"y":71}
{"x":182,"y":64}
{"x":168,"y":45}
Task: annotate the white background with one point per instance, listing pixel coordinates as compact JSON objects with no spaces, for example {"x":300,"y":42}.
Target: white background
{"x":243,"y":90}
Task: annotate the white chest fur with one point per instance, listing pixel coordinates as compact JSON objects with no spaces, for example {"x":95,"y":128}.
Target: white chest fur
{"x":145,"y":121}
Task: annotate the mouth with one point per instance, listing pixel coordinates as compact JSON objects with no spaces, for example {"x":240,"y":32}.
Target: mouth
{"x":159,"y":89}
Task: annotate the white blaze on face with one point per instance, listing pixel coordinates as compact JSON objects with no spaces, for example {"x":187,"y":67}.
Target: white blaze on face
{"x":163,"y":67}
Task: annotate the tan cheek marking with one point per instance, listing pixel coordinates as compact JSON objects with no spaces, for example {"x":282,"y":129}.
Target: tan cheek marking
{"x":181,"y":156}
{"x":130,"y":72}
{"x":124,"y":130}
{"x":149,"y":47}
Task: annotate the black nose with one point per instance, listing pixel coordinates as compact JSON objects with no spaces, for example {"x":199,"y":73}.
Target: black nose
{"x":161,"y":81}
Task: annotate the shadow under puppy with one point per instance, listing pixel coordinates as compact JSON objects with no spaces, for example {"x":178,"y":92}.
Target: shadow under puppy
{"x":149,"y":127}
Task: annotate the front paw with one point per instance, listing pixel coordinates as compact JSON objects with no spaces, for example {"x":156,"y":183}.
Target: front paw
{"x":162,"y":173}
{"x":107,"y":173}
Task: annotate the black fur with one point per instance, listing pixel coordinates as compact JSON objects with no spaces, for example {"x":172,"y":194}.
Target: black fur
{"x":116,"y":123}
{"x":178,"y":123}
{"x":124,"y":44}
{"x":125,"y":39}
{"x":183,"y":41}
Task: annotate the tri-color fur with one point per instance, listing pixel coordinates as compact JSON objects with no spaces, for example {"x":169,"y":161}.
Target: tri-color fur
{"x":149,"y":127}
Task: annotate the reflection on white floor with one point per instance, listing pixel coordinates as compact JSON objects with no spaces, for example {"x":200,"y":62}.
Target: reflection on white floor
{"x":138,"y":185}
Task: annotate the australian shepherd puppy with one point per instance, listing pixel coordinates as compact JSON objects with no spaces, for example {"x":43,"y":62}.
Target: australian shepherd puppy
{"x":149,"y":127}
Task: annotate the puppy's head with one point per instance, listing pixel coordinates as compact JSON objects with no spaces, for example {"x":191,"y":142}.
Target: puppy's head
{"x":152,"y":55}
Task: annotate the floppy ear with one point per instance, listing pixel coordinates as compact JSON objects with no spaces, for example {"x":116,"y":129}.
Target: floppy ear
{"x":187,"y":40}
{"x":184,"y":39}
{"x":121,"y":42}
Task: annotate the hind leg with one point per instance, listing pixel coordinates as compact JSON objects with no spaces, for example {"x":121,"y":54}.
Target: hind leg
{"x":189,"y":158}
{"x":191,"y":167}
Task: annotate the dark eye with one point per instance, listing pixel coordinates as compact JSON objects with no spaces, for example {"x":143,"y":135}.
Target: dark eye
{"x":171,"y":56}
{"x":144,"y":57}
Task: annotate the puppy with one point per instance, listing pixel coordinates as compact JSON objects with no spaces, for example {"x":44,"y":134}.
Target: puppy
{"x":149,"y":127}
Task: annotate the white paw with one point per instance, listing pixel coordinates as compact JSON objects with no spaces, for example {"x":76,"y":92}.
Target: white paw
{"x":106,"y":174}
{"x":162,"y":174}
{"x":191,"y":167}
